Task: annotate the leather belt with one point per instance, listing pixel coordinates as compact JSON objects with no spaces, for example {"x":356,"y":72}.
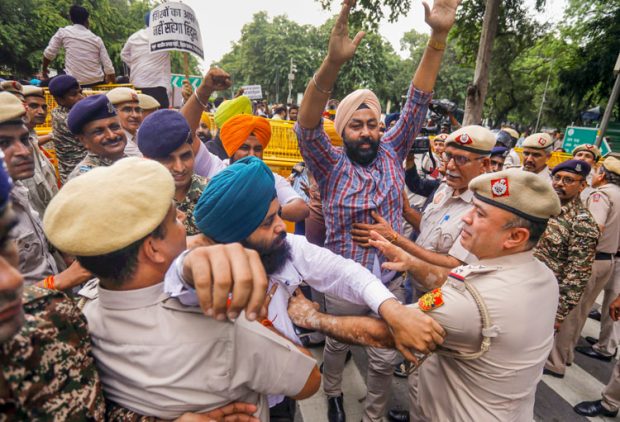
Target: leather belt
{"x":603,"y":256}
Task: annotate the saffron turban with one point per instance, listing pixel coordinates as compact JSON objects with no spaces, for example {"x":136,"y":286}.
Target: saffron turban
{"x":232,"y":108}
{"x":236,"y":201}
{"x":237,"y":130}
{"x":351,"y":103}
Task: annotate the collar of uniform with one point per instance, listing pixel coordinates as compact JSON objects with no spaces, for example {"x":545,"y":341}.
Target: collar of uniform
{"x":509,"y":260}
{"x":131,"y":299}
{"x":466,"y":196}
{"x":19,"y":193}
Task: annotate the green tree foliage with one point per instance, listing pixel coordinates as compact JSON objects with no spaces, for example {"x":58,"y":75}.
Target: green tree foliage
{"x":262,"y":56}
{"x":26,"y":27}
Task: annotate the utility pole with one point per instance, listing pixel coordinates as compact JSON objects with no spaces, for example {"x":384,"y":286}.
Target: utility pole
{"x":610,"y":104}
{"x":477,"y":91}
{"x":291,"y":78}
{"x":542,"y":103}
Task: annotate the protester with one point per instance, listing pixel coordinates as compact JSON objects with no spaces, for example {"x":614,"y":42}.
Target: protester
{"x":149,"y":71}
{"x":85,"y":54}
{"x":365,"y":176}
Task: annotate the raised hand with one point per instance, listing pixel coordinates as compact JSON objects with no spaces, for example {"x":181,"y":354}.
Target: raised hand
{"x":302,"y":311}
{"x":216,"y":79}
{"x":341,"y":48}
{"x":441,"y":17}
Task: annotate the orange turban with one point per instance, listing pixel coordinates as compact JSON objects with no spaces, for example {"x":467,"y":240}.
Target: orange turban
{"x":237,"y":130}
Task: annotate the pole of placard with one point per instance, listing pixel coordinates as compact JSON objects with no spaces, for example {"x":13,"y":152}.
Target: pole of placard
{"x":610,"y":104}
{"x":186,"y":64}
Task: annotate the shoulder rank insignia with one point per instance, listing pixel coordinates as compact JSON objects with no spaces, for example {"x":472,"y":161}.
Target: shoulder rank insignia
{"x":431,"y":300}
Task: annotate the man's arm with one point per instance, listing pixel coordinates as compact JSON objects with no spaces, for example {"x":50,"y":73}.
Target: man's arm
{"x":429,"y":275}
{"x":361,"y":233}
{"x":108,"y":67}
{"x":215,"y":80}
{"x":295,"y":210}
{"x":50,"y":52}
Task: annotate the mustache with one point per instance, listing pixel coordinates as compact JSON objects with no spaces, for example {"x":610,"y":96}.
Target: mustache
{"x":16,"y":161}
{"x":112,"y":141}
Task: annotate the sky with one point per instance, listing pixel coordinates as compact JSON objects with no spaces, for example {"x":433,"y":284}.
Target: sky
{"x":221,"y":21}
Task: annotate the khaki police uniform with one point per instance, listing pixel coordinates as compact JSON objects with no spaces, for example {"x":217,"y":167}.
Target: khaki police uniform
{"x":610,"y":331}
{"x":35,"y":259}
{"x":159,"y":358}
{"x":500,"y":384}
{"x":611,"y":393}
{"x":42,"y":186}
{"x":604,"y":204}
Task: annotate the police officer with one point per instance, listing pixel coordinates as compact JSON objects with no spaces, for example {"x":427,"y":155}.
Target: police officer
{"x":470,"y":379}
{"x":537,"y":149}
{"x":95,"y":122}
{"x":591,"y":155}
{"x":127,"y":104}
{"x":568,"y":245}
{"x":498,"y":158}
{"x":137,"y":330}
{"x":604,"y":204}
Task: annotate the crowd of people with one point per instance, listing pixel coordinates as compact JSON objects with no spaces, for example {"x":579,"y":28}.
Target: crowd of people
{"x":151,"y":276}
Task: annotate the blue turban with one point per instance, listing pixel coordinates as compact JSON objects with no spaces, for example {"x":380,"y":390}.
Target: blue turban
{"x":236,"y":201}
{"x":61,"y":84}
{"x":91,"y":108}
{"x":502,"y":151}
{"x":390,"y":118}
{"x":162,"y":132}
{"x":5,"y":185}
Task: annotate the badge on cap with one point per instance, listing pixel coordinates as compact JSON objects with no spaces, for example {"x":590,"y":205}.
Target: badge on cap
{"x":499,"y":187}
{"x":134,"y":96}
{"x":111,"y":108}
{"x":578,"y":168}
{"x":463,"y":139}
{"x":588,"y":146}
{"x":431,"y":300}
{"x":542,"y":141}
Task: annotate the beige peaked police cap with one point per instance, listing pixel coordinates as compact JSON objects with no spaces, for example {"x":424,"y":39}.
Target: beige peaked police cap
{"x":33,"y":91}
{"x":612,"y":164}
{"x":11,"y":108}
{"x":538,"y":141}
{"x":122,"y":95}
{"x":592,"y":149}
{"x":472,"y":138}
{"x":147,"y":102}
{"x":520,"y":192}
{"x":109,"y":208}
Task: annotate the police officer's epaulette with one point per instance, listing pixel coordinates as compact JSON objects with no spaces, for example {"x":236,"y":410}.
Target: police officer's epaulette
{"x":431,"y":300}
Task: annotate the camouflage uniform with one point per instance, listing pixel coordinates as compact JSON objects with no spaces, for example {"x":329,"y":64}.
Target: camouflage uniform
{"x":567,"y":247}
{"x":90,"y":162}
{"x":68,"y":149}
{"x":42,"y":186}
{"x":48,"y":372}
{"x":198,"y":184}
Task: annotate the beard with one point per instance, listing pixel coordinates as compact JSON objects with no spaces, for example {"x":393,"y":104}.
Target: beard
{"x":358,"y":155}
{"x":273,"y":256}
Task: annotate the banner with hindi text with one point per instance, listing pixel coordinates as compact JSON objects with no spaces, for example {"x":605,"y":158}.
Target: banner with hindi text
{"x":173,"y":26}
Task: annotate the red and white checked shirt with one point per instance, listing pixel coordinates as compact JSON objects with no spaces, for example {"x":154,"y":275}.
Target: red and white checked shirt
{"x":350,"y":191}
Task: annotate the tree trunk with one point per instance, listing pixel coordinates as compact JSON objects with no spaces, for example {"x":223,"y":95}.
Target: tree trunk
{"x":477,"y":91}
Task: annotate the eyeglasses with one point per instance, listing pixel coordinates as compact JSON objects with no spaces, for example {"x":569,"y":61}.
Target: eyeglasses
{"x":459,"y":160}
{"x":565,"y":180}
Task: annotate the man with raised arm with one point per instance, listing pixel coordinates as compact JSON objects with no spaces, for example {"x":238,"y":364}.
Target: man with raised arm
{"x":365,"y":176}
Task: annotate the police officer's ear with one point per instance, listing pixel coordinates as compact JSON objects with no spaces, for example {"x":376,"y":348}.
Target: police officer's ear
{"x":517,"y":239}
{"x":582,"y":185}
{"x":486,"y":165}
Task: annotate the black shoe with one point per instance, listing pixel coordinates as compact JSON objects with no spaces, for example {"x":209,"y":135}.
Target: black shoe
{"x":335,"y":409}
{"x":593,"y":408}
{"x":398,"y":415}
{"x":553,"y":374}
{"x":402,"y":369}
{"x":595,"y":315}
{"x":590,"y":352}
{"x":591,"y":340}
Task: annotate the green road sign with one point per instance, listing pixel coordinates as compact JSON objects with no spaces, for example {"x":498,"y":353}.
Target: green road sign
{"x":575,"y":136}
{"x":176,"y":80}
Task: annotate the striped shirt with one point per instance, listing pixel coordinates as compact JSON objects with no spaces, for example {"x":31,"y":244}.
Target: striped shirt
{"x":351,"y":191}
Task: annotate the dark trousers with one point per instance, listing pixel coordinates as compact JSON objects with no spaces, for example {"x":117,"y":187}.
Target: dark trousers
{"x":159,"y":93}
{"x":283,"y":411}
